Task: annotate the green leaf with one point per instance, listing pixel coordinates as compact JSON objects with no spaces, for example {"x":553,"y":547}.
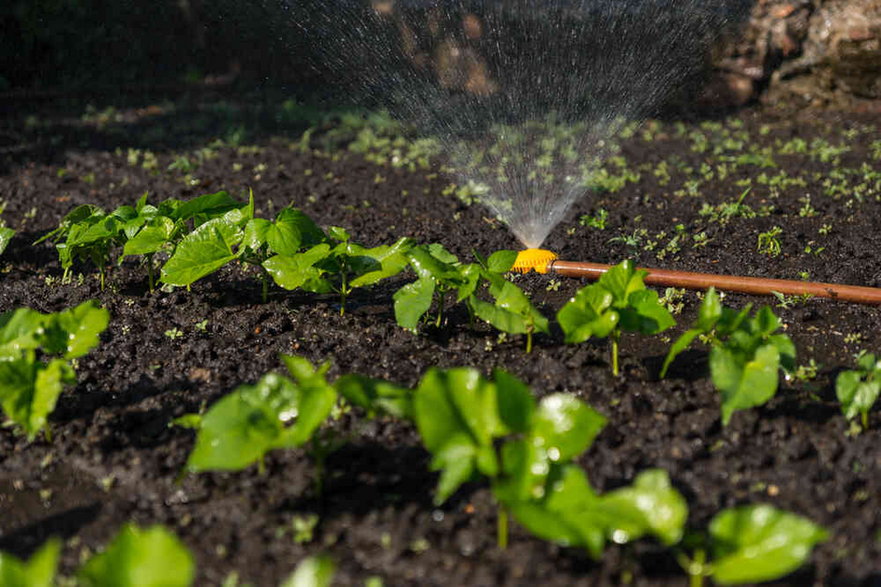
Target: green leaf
{"x":856,"y":395}
{"x":513,"y":311}
{"x":243,"y":426}
{"x":151,"y":557}
{"x":457,"y":417}
{"x":315,"y":401}
{"x":650,"y":506}
{"x":207,"y":206}
{"x":6,"y":235}
{"x":254,"y":233}
{"x":644,"y":314}
{"x":283,"y":236}
{"x":427,"y":266}
{"x":744,"y":382}
{"x":338,"y":234}
{"x":38,"y":571}
{"x":588,"y":314}
{"x":621,"y":281}
{"x":151,"y":238}
{"x":299,"y":271}
{"x":710,"y":311}
{"x":567,"y":514}
{"x":412,"y":302}
{"x":501,"y":261}
{"x":314,"y":571}
{"x":376,"y":395}
{"x":29,"y":390}
{"x":310,"y":234}
{"x":391,"y":259}
{"x":83,"y":326}
{"x":516,"y":402}
{"x":20,"y":329}
{"x":760,"y":543}
{"x":202,"y":252}
{"x":565,"y":426}
{"x":682,"y":343}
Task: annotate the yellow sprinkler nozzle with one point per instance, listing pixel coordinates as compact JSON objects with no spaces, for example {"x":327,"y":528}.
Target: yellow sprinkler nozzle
{"x":529,"y":259}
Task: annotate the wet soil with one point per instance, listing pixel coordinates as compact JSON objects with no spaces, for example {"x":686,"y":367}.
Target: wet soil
{"x":113,"y":456}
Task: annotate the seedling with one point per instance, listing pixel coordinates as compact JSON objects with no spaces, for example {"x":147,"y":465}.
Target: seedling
{"x":276,"y":412}
{"x":512,"y":312}
{"x":439,"y":274}
{"x":618,"y":302}
{"x":751,"y":544}
{"x":6,"y":235}
{"x":36,"y":351}
{"x":769,"y":242}
{"x":313,"y":571}
{"x":746,"y":352}
{"x":858,"y":389}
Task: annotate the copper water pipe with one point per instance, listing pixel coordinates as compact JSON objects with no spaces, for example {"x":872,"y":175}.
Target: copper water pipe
{"x":748,"y":285}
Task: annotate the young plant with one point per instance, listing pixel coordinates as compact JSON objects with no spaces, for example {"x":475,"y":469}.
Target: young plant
{"x":751,"y":544}
{"x":512,"y":310}
{"x":276,"y":412}
{"x":473,"y":426}
{"x":618,"y":302}
{"x":858,"y":389}
{"x":439,"y":274}
{"x":35,"y":359}
{"x":746,"y":354}
{"x":88,"y":233}
{"x":136,"y":557}
{"x":39,"y":571}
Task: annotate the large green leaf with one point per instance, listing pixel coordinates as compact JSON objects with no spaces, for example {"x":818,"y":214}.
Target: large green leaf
{"x":501,"y":261}
{"x":283,"y":236}
{"x":745,"y":382}
{"x":621,"y":281}
{"x":412,"y":302}
{"x":650,"y":506}
{"x":202,"y":252}
{"x":299,"y":271}
{"x":515,"y":401}
{"x":20,"y":329}
{"x":151,"y":557}
{"x":856,"y":393}
{"x":760,"y":543}
{"x":38,"y":571}
{"x":512,"y":312}
{"x":682,"y":343}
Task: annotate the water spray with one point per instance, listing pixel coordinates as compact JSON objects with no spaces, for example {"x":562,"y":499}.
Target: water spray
{"x":543,"y":261}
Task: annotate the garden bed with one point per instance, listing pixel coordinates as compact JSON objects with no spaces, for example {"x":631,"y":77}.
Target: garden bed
{"x":114,"y":458}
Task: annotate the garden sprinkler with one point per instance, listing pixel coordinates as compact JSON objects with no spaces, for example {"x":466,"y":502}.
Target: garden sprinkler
{"x":543,"y":261}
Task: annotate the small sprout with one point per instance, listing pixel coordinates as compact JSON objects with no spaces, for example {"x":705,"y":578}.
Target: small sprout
{"x":303,"y":528}
{"x":769,"y":242}
{"x":174,"y":333}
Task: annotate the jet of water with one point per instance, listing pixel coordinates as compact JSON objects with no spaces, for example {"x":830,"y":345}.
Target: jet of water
{"x":526,"y":97}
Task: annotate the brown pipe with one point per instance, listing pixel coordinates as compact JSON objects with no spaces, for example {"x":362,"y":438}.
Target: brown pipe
{"x":749,"y":285}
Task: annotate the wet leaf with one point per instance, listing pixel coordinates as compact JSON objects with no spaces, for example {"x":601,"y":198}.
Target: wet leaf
{"x":202,"y":252}
{"x":760,"y":543}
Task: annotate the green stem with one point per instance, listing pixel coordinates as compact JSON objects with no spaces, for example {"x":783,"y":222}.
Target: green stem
{"x":150,"y":279}
{"x":343,"y":290}
{"x":528,"y":341}
{"x":865,"y":418}
{"x":502,"y":528}
{"x":264,"y":294}
{"x":615,"y":370}
{"x":101,"y":272}
{"x":696,"y":576}
{"x":440,"y":309}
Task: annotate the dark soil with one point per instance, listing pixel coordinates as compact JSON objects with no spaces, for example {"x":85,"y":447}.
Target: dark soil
{"x":114,"y":458}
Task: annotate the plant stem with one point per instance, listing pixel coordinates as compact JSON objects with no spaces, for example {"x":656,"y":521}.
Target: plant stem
{"x":615,"y":371}
{"x":264,"y":294}
{"x":865,"y":418}
{"x":502,"y":528}
{"x":440,"y":309}
{"x":696,"y":578}
{"x":528,"y":341}
{"x":151,"y":284}
{"x":101,"y":272}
